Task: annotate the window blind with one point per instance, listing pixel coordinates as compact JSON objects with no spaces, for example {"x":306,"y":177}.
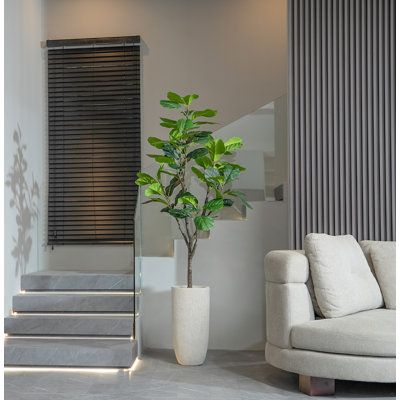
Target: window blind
{"x":93,"y":139}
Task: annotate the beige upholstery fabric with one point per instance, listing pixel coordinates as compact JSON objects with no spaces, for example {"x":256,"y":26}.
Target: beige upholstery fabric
{"x":333,"y":366}
{"x":383,"y":256}
{"x":290,"y":266}
{"x":366,"y":246}
{"x":288,"y":301}
{"x":287,"y":304}
{"x":286,"y":266}
{"x":368,"y":333}
{"x":343,"y":281}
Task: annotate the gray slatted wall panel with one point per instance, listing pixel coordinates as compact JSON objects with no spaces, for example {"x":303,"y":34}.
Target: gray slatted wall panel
{"x":342,"y":118}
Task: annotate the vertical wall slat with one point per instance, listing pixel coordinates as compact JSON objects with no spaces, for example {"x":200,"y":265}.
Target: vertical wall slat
{"x":357,"y":142}
{"x":392,"y":62}
{"x":342,"y":118}
{"x":352,"y":116}
{"x":341,"y":128}
{"x":387,"y":121}
{"x":364,"y":124}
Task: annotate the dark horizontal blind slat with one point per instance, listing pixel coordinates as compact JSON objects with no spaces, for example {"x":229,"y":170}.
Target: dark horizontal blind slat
{"x":94,"y":143}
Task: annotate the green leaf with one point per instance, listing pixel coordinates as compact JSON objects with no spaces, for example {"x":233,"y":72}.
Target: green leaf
{"x":230,"y":173}
{"x":170,"y":151}
{"x":214,"y":205}
{"x":219,"y":148}
{"x":240,"y":195}
{"x":199,"y":174}
{"x":155,"y":200}
{"x":161,"y":159}
{"x":168,"y":120}
{"x":228,"y":203}
{"x":175,"y":134}
{"x":189,"y":98}
{"x":180,"y":124}
{"x":167,"y":172}
{"x":178,"y":213}
{"x":156,"y":142}
{"x":144,"y":179}
{"x":200,"y":152}
{"x":168,"y":124}
{"x":187,"y":198}
{"x":175,"y":98}
{"x":154,"y":188}
{"x":237,"y":166}
{"x":201,"y":137}
{"x":159,"y":171}
{"x":170,"y":104}
{"x":211,"y":173}
{"x":204,"y":223}
{"x":208,"y":113}
{"x":233,"y":144}
{"x":216,"y":149}
{"x":204,"y":162}
{"x":206,"y":123}
{"x":185,"y":124}
{"x":173,"y":183}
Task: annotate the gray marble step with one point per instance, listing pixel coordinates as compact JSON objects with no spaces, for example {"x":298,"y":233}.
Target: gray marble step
{"x":64,"y":325}
{"x":73,"y":302}
{"x":75,"y":280}
{"x":69,"y":352}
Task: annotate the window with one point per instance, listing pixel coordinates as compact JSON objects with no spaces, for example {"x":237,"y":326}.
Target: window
{"x":94,"y":139}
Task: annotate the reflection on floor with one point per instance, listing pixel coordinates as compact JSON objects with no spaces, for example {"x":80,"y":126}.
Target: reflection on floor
{"x":225,"y":375}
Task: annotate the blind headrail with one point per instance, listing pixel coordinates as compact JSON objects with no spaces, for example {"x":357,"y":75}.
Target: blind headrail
{"x":87,"y":42}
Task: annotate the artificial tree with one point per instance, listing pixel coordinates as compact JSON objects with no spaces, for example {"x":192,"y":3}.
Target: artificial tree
{"x":191,"y":151}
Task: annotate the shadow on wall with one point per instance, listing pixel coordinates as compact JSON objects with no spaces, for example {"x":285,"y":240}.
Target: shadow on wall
{"x":25,"y":196}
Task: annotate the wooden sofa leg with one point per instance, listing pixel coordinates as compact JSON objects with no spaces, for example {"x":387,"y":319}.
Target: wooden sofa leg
{"x":314,"y":386}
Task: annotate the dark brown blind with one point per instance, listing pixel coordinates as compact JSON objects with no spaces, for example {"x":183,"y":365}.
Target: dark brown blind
{"x":94,"y":140}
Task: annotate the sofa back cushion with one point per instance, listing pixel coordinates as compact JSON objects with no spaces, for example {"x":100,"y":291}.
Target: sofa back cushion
{"x":343,"y":281}
{"x":382,"y":259}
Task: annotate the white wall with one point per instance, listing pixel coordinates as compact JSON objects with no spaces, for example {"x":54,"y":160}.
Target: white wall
{"x":23,"y":94}
{"x":231,"y":262}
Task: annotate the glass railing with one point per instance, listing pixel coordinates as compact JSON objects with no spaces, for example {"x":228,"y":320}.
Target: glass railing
{"x":137,"y":270}
{"x":264,"y":155}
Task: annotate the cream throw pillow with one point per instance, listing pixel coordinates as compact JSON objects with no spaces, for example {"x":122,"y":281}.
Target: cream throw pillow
{"x":343,"y":281}
{"x":383,"y":256}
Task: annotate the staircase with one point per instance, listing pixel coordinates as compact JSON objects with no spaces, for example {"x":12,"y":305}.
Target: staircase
{"x":72,"y":319}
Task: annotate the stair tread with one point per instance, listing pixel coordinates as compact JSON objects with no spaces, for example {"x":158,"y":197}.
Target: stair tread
{"x":68,"y":325}
{"x":73,"y":302}
{"x":77,"y":280}
{"x":77,"y":272}
{"x":69,"y":316}
{"x":91,"y":352}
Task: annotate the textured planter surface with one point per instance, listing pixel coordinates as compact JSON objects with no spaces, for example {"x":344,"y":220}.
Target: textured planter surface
{"x":190,"y":323}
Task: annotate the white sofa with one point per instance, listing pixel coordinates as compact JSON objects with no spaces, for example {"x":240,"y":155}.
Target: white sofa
{"x":360,"y":347}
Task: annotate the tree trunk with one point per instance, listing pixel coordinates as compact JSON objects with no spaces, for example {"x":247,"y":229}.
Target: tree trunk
{"x":189,"y":274}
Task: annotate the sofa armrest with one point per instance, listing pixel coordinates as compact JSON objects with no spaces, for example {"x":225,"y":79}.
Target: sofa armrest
{"x":286,"y":266}
{"x":288,"y":301}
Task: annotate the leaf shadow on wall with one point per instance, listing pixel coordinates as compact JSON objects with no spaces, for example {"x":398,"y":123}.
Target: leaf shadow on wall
{"x":25,"y":197}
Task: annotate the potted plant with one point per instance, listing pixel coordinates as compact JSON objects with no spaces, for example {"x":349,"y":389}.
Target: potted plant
{"x":191,"y":152}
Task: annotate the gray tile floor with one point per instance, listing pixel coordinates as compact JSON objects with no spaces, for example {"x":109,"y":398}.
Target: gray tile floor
{"x":226,"y":375}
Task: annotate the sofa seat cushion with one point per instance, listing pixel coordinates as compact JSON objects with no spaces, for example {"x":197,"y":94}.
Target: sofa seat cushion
{"x":368,"y":333}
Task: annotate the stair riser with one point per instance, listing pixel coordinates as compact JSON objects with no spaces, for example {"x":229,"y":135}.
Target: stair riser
{"x":69,"y":352}
{"x":81,"y":281}
{"x":64,"y":326}
{"x":73,"y":303}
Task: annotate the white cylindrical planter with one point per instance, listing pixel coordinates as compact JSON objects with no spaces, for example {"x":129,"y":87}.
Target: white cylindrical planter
{"x":190,"y":323}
